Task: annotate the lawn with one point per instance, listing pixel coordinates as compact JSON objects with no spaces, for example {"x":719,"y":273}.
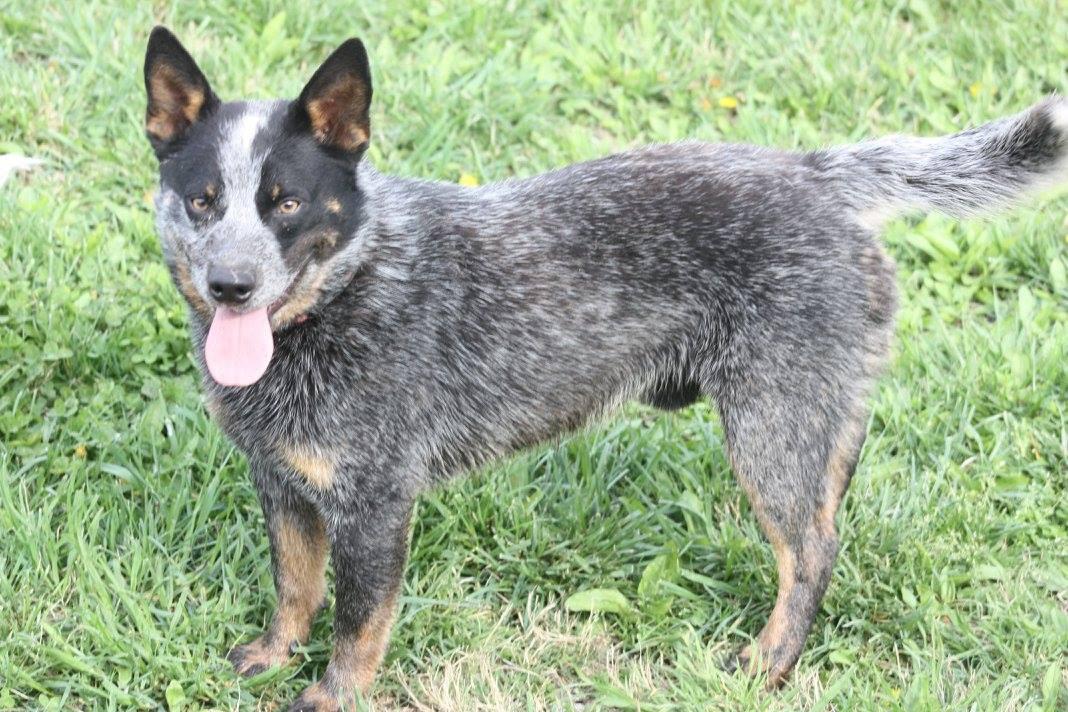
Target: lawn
{"x":132,"y":550}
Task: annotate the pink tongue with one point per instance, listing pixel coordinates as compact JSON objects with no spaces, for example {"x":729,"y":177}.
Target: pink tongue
{"x":239,"y":347}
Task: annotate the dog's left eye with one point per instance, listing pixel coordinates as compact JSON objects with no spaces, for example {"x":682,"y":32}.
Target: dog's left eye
{"x":289,"y":206}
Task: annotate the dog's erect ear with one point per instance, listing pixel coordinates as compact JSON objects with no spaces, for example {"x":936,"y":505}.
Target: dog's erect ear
{"x":336,"y":101}
{"x":178,"y":93}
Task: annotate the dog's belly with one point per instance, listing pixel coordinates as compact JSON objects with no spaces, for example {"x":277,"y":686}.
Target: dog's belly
{"x":672,"y":394}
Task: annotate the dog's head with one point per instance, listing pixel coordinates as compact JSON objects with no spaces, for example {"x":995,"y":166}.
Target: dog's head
{"x":257,"y":200}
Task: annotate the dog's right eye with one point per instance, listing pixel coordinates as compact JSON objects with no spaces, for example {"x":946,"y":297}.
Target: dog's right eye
{"x":199,"y":203}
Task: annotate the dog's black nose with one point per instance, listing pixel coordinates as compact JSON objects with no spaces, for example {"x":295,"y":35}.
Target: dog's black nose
{"x":231,"y":285}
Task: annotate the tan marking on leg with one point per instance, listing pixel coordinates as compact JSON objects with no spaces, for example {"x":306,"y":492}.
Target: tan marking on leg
{"x":779,"y":643}
{"x":758,"y":655}
{"x":302,"y":580}
{"x":839,"y":472}
{"x":313,"y":466}
{"x":777,"y":623}
{"x":764,"y":654}
{"x":354,"y":662}
{"x":369,"y":646}
{"x":301,"y":561}
{"x":356,"y":658}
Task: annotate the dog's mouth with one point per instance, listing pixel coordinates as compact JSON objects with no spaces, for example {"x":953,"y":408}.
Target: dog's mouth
{"x":239,"y":345}
{"x":285,"y":298}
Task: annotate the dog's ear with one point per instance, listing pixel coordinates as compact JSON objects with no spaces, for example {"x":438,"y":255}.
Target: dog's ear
{"x":336,"y":101}
{"x":178,"y":93}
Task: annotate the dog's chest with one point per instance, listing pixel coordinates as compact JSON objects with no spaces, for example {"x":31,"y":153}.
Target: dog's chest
{"x":291,"y":418}
{"x":259,"y":416}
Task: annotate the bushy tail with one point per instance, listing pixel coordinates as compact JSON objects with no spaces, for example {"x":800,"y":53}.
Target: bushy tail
{"x":968,"y":173}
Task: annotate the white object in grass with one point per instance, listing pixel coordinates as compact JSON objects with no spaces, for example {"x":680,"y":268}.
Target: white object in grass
{"x":10,"y":163}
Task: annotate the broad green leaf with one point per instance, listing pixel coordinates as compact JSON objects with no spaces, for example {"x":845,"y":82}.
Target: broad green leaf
{"x":599,"y":600}
{"x":175,"y":696}
{"x":1051,"y":686}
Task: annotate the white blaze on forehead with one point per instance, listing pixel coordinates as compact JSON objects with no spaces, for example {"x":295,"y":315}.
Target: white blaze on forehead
{"x":239,"y":165}
{"x":241,"y":234}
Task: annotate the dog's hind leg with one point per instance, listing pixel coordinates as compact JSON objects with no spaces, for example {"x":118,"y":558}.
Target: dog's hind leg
{"x":299,"y":549}
{"x":794,"y":451}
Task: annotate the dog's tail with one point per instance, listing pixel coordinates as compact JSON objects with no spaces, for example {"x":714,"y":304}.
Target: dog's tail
{"x":968,"y":173}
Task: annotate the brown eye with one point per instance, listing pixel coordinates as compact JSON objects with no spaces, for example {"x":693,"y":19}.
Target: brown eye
{"x":289,"y":206}
{"x":199,"y":203}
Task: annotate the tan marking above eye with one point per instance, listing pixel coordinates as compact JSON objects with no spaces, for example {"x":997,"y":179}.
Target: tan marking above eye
{"x":289,"y":206}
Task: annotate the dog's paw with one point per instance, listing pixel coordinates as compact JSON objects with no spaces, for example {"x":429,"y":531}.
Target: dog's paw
{"x":316,"y":698}
{"x":738,"y":660}
{"x":754,"y":662}
{"x":258,"y":656}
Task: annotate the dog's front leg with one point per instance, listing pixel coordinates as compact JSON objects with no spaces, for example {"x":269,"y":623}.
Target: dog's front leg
{"x":369,"y":546}
{"x":298,"y":561}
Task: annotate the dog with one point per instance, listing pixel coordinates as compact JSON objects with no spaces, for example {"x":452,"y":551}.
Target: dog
{"x":365,"y":337}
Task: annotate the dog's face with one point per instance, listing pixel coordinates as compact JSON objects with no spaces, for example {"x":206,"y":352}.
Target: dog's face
{"x":256,"y":199}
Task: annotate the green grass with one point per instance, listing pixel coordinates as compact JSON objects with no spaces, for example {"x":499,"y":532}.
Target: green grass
{"x":133,"y":554}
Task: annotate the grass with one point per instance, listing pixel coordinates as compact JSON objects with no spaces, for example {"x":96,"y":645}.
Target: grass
{"x":132,"y":552}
